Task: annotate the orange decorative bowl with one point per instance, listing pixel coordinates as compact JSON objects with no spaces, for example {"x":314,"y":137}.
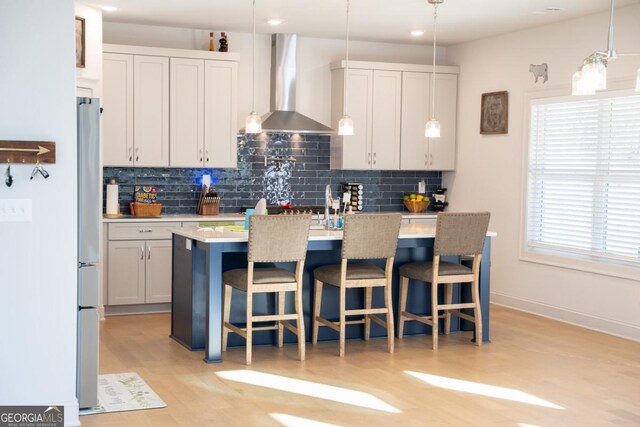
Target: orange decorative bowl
{"x":416,"y":207}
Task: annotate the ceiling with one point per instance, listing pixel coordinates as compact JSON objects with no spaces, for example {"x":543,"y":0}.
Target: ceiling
{"x":371,"y":20}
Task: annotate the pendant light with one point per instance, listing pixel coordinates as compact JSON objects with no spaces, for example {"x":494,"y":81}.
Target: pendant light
{"x":345,"y":126}
{"x":592,"y":74}
{"x":432,"y":128}
{"x":253,"y":124}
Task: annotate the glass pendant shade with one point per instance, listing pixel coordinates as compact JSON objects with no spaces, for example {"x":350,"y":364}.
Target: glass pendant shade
{"x":345,"y":126}
{"x":253,"y":123}
{"x":638,"y":81}
{"x":595,"y":75}
{"x":580,"y":86}
{"x":432,"y":129}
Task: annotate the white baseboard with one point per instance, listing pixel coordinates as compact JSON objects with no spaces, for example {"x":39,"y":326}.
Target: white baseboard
{"x":600,"y":324}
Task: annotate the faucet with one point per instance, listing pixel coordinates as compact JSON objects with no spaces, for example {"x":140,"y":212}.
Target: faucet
{"x":327,"y":204}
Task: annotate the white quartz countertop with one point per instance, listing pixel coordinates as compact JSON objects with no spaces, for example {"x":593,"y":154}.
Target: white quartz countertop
{"x":221,"y":235}
{"x":222,"y":217}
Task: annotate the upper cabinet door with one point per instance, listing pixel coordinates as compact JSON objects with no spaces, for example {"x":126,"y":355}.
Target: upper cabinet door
{"x":387,"y":103}
{"x":151,"y":110}
{"x":117,"y":119}
{"x":220,"y":113}
{"x":186,"y":112}
{"x":415,"y":113}
{"x":442,"y":151}
{"x":357,"y":152}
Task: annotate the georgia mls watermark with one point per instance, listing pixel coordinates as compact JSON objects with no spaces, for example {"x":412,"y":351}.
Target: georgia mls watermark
{"x":32,"y":416}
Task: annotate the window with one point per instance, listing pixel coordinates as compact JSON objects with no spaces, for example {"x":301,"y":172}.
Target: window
{"x":583,"y":195}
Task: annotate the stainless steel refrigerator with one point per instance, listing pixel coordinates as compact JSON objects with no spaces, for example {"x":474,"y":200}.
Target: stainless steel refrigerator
{"x":89,"y":213}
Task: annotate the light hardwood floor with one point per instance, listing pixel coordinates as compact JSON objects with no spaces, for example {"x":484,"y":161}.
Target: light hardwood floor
{"x":580,"y":378}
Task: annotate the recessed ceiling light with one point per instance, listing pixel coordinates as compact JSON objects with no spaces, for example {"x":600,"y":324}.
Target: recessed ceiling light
{"x":417,"y":33}
{"x":109,"y":8}
{"x":274,"y":21}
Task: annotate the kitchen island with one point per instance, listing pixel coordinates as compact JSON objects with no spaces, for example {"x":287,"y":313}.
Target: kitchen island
{"x":201,"y":255}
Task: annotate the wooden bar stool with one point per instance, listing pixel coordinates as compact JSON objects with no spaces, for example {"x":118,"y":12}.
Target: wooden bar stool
{"x":457,"y":234}
{"x":366,"y":236}
{"x":271,"y":239}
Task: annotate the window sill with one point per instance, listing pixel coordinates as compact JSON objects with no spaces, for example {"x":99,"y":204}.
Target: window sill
{"x":583,"y":263}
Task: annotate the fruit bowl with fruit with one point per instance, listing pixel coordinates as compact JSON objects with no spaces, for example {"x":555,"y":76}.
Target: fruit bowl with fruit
{"x":416,"y":203}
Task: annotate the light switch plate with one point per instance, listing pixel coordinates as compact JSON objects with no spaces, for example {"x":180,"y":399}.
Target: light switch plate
{"x":188,"y":244}
{"x":421,"y":187}
{"x":15,"y":210}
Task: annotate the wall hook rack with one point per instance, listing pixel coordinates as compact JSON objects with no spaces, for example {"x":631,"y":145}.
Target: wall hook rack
{"x":27,"y":152}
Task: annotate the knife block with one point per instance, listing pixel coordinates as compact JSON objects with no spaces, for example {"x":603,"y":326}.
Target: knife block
{"x":208,"y":205}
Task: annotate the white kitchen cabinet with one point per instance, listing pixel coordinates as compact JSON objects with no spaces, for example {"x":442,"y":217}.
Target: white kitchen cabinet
{"x":169,"y":107}
{"x":418,"y":152}
{"x":374,"y":104}
{"x":203,"y":113}
{"x":136,"y":110}
{"x":139,"y":263}
{"x":151,"y":110}
{"x":187,"y":112}
{"x":221,"y":112}
{"x":390,"y":104}
{"x":117,"y":118}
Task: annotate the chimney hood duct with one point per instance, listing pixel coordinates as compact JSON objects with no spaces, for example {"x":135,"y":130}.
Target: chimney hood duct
{"x":283,"y":117}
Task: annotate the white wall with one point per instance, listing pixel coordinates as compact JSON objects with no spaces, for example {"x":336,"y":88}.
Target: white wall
{"x":38,"y":260}
{"x":314,"y":57}
{"x":489,"y":169}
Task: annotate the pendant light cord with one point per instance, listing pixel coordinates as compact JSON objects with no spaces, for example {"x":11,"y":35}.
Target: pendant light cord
{"x":253,"y":68}
{"x":433,"y":74}
{"x":346,"y":71}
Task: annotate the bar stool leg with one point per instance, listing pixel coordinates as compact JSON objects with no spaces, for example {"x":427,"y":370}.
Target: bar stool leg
{"x":342,"y":319}
{"x":367,"y":320}
{"x":435,"y":330}
{"x":279,"y":322}
{"x":402,"y":304}
{"x":227,"y":316}
{"x":317,"y":301}
{"x":477,"y":314}
{"x":301,"y":334}
{"x":388,"y":305}
{"x":249,"y":326}
{"x":448,"y":298}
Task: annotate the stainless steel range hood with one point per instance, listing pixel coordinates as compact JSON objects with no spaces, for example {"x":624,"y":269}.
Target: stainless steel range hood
{"x":283,"y":117}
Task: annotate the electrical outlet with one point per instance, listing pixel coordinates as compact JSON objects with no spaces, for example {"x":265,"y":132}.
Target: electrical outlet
{"x":421,"y":187}
{"x":15,"y":210}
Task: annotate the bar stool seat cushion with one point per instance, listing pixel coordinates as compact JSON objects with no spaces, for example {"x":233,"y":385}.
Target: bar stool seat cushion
{"x":261,"y":276}
{"x":330,"y":274}
{"x":423,"y":271}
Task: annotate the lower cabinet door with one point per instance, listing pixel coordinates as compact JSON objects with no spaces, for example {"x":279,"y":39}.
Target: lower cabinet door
{"x":158,"y":271}
{"x":126,"y":272}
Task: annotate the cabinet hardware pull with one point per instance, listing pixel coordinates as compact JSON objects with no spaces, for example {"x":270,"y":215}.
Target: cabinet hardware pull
{"x":141,"y":252}
{"x":369,"y":158}
{"x":374,"y":158}
{"x":143,"y":230}
{"x":130,"y":154}
{"x":148,"y":253}
{"x":207,"y":155}
{"x":200,"y":155}
{"x":137,"y":154}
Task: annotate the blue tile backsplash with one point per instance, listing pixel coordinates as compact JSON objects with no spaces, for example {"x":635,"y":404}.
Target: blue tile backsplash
{"x":296,"y":171}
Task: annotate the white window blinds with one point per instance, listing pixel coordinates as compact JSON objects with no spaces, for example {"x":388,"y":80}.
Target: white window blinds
{"x":584,"y":177}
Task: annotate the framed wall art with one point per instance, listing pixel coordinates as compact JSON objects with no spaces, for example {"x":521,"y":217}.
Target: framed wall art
{"x":80,"y":42}
{"x":494,"y":113}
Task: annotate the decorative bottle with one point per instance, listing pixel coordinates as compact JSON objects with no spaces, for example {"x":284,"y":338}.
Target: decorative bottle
{"x":224,"y":46}
{"x":212,"y":44}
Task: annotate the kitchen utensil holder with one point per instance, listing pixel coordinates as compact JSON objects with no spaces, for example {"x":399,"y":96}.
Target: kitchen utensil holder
{"x":208,"y":205}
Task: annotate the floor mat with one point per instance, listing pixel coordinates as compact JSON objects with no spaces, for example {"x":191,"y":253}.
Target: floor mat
{"x":123,"y":392}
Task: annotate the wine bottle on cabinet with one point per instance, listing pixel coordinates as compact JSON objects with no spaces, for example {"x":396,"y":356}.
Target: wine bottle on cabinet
{"x":224,"y":46}
{"x":212,"y":43}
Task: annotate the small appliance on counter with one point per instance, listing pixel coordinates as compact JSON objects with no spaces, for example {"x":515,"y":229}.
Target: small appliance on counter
{"x":356,"y":190}
{"x":439,"y":200}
